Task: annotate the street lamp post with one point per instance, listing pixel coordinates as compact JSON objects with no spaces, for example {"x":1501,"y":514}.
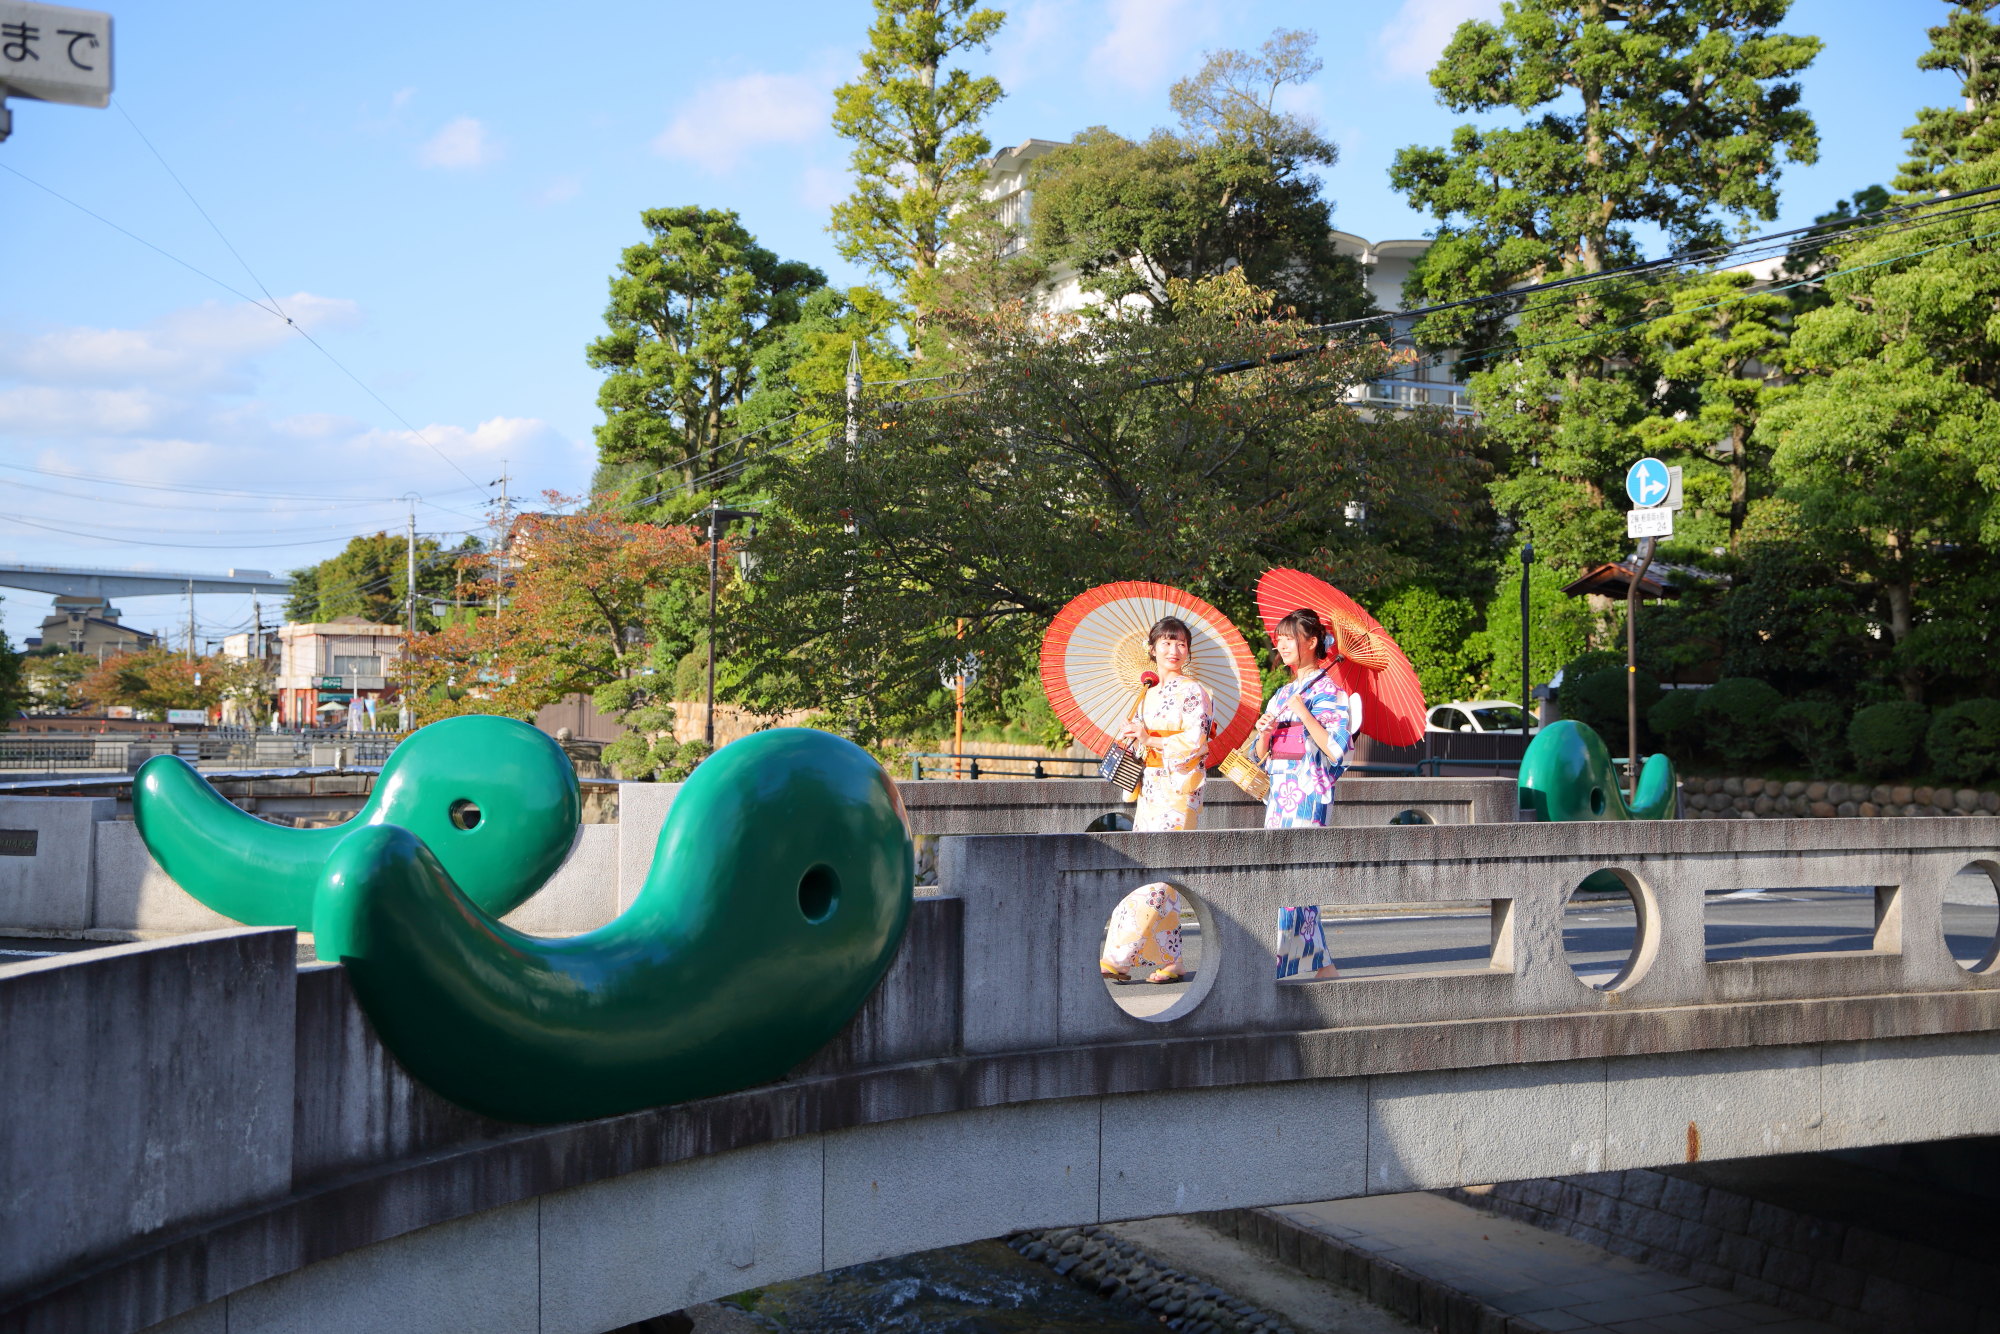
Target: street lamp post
{"x":1527,"y":561}
{"x":717,"y":516}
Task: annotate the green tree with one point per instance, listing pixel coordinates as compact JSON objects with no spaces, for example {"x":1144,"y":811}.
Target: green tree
{"x":1235,"y":188}
{"x":691,"y":309}
{"x":918,"y":152}
{"x":1723,"y":344}
{"x":15,"y":692}
{"x":370,"y":578}
{"x":1074,"y":460}
{"x":52,"y":677}
{"x":1886,"y":445}
{"x":1674,"y":114}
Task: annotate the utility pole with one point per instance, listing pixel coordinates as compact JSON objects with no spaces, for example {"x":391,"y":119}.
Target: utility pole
{"x":1632,"y":670}
{"x":1527,"y":699}
{"x":190,"y":643}
{"x":501,"y":539}
{"x":404,"y":718}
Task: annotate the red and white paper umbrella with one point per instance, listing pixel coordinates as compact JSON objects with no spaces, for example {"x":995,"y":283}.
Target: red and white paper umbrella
{"x":1370,"y":664}
{"x":1095,"y":650}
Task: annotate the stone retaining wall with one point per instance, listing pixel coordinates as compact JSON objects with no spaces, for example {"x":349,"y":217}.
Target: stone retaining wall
{"x":1771,"y":799}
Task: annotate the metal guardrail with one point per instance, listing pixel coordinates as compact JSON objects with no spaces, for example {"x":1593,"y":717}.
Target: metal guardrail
{"x":125,"y":752}
{"x":966,"y":764}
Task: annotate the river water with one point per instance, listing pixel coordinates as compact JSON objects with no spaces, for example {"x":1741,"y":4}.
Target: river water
{"x":983,"y":1288}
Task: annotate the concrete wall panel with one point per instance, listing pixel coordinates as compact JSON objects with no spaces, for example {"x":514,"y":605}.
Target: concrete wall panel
{"x":134,"y":894}
{"x":628,"y":1249}
{"x":1186,"y":1152}
{"x":477,"y":1273}
{"x":52,"y":887}
{"x":151,"y":1088}
{"x":1504,"y":1123}
{"x":642,"y":813}
{"x":1687,"y":1106}
{"x":583,"y":893}
{"x":941,"y":1180}
{"x":1910,"y":1090}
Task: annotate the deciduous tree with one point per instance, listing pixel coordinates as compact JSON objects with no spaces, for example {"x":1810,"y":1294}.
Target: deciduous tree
{"x":370,"y":578}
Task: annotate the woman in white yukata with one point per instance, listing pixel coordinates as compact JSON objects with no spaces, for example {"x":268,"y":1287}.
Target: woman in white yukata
{"x":1170,"y":732}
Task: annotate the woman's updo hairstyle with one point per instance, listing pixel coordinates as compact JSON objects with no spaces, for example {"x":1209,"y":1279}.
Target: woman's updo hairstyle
{"x":1305,"y":621}
{"x":1169,"y":625}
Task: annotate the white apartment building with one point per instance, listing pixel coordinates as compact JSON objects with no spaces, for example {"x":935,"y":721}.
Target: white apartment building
{"x":1386,"y":263}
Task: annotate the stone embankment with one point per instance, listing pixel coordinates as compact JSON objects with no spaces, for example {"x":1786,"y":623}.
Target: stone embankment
{"x":1772,"y":799}
{"x":1097,"y":1259}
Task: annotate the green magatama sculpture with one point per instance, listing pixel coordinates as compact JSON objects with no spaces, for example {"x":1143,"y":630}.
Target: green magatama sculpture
{"x":1567,"y":774}
{"x":778,"y":895}
{"x":494,"y":800}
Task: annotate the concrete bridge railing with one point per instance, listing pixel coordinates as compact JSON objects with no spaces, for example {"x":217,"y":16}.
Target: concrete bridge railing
{"x":213,"y":1137}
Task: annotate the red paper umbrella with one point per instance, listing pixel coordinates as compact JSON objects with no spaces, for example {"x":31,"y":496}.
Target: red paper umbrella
{"x":1096,"y":647}
{"x":1370,"y":663}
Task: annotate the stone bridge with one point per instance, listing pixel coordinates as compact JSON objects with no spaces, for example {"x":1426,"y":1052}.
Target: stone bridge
{"x":199,"y":1134}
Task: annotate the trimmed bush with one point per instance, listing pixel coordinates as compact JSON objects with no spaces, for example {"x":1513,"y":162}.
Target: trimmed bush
{"x":1598,"y":702}
{"x":1739,"y":719}
{"x":1816,"y":730}
{"x":1676,"y":721}
{"x":1888,"y":739}
{"x":1964,"y":741}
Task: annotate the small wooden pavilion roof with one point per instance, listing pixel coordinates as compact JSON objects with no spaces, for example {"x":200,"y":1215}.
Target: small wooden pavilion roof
{"x":1614,"y":580}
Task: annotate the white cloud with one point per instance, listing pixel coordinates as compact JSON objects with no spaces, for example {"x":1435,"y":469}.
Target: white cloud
{"x":462,"y":144}
{"x":401,"y":98}
{"x":1417,"y":33}
{"x":820,"y":188}
{"x":560,"y":190}
{"x":1150,"y":41}
{"x":1038,"y":40}
{"x":203,"y":346}
{"x":726,"y":118}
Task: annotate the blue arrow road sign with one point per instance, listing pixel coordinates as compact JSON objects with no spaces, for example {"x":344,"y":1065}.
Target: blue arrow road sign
{"x":1647,"y":482}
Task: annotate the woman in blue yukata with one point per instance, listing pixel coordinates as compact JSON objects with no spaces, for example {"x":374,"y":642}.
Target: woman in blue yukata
{"x":1302,"y":738}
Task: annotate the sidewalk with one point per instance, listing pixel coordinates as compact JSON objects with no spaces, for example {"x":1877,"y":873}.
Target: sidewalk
{"x":1451,"y":1268}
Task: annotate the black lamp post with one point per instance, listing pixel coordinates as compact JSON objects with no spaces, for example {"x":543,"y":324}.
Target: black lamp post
{"x":1527,"y":699}
{"x":717,"y":516}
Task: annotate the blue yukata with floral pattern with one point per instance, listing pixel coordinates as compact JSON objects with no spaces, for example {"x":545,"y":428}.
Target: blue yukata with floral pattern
{"x":1302,"y":789}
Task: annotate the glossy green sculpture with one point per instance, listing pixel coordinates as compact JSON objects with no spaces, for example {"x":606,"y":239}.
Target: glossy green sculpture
{"x":495,"y":801}
{"x":1567,"y":775}
{"x":777,"y":897}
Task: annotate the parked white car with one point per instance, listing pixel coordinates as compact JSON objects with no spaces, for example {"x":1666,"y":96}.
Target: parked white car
{"x":1478,"y":715}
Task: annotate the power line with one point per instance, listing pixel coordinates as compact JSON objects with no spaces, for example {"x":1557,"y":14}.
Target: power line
{"x":228,"y":492}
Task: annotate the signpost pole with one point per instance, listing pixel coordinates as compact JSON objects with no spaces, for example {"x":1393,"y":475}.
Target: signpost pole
{"x":1632,"y":670}
{"x":1527,"y":561}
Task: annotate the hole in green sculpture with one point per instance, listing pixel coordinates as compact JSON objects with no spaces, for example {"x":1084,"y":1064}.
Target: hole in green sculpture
{"x":1411,"y":817}
{"x":819,"y":893}
{"x":1111,"y":822}
{"x":465,"y":813}
{"x":1597,"y":801}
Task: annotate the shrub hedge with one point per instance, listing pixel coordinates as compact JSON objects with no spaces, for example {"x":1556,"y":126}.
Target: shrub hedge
{"x":1816,"y":730}
{"x":1739,"y":719}
{"x":1964,"y":741}
{"x":1888,"y":739}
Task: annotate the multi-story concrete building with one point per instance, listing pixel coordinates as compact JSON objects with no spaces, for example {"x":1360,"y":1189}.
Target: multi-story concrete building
{"x":326,"y":667}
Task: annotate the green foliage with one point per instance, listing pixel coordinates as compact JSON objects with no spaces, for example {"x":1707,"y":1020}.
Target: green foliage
{"x":1622,"y":107}
{"x":1951,"y":147}
{"x":1739,"y":720}
{"x":53,"y":680}
{"x":1440,"y":636}
{"x":1559,"y":627}
{"x":1597,"y":700}
{"x":15,"y":693}
{"x":370,"y":579}
{"x":1675,"y":719}
{"x":1964,"y":741}
{"x":1816,"y":731}
{"x":918,"y":149}
{"x":1070,"y":461}
{"x":691,"y":308}
{"x":1887,"y":739}
{"x":1234,"y":189}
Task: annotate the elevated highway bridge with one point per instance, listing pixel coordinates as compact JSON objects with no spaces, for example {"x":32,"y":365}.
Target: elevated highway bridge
{"x":211,"y":1138}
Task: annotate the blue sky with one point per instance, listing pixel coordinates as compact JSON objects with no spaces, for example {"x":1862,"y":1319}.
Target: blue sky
{"x":436,"y":194}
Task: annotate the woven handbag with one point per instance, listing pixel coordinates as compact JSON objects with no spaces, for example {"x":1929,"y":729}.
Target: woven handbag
{"x":1247,"y":774}
{"x":1121,"y":767}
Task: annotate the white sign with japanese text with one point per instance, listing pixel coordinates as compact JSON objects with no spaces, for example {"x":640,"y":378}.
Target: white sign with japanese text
{"x":55,"y":54}
{"x":1649,"y":523}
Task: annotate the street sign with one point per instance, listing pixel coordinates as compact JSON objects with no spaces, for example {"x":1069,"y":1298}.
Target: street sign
{"x":1673,"y":500}
{"x":332,"y":682}
{"x":1647,"y":482}
{"x":187,"y":717}
{"x":55,"y":54}
{"x":1649,"y":523}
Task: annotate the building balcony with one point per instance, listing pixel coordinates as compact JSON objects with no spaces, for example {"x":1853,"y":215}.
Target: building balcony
{"x":1412,"y":394}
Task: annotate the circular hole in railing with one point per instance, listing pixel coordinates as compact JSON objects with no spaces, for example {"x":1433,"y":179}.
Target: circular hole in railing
{"x":1971,"y":916}
{"x":1411,"y":817}
{"x":465,"y":813}
{"x":819,"y":893}
{"x":1111,"y":822}
{"x":1157,"y":959}
{"x":1597,"y":801}
{"x":1601,"y":929}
